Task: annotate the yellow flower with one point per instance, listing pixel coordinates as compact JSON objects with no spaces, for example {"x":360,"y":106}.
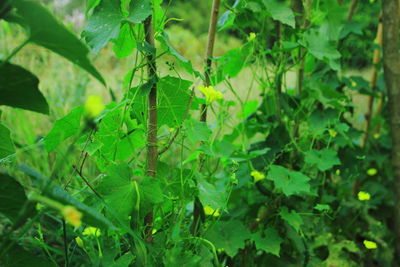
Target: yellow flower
{"x":93,"y":231}
{"x":258,"y":176}
{"x":210,"y":211}
{"x":372,"y":171}
{"x":332,"y":132}
{"x":79,"y":241}
{"x":72,"y":215}
{"x":94,"y":106}
{"x":251,"y":36}
{"x":210,"y":93}
{"x":370,"y":244}
{"x":363,"y":196}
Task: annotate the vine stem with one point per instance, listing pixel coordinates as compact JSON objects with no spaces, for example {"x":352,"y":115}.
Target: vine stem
{"x":15,"y":51}
{"x":152,"y":153}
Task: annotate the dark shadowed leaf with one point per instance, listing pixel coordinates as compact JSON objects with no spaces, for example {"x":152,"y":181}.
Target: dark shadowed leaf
{"x":46,"y":31}
{"x":19,"y":89}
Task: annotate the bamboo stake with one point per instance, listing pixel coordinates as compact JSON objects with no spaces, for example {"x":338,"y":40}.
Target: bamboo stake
{"x":198,"y":210}
{"x":374,"y":75}
{"x":391,"y":65}
{"x":152,"y":153}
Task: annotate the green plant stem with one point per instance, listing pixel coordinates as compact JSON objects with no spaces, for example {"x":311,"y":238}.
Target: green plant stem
{"x":65,"y":243}
{"x":14,"y":52}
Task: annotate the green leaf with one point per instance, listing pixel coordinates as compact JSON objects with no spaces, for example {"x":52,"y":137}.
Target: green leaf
{"x":111,"y":147}
{"x":125,"y":43}
{"x":151,"y":190}
{"x":197,"y":130}
{"x":270,"y":241}
{"x":249,"y":108}
{"x":173,"y":99}
{"x":230,"y":64}
{"x":104,"y":24}
{"x":280,"y":12}
{"x":230,"y":235}
{"x":19,"y":89}
{"x":46,"y":31}
{"x":63,"y":128}
{"x":183,"y":62}
{"x":321,"y":48}
{"x":290,"y":182}
{"x":292,"y":218}
{"x":118,"y":189}
{"x":6,"y":145}
{"x":50,"y":190}
{"x":324,"y":159}
{"x":12,"y":197}
{"x":19,"y":257}
{"x":211,"y":195}
{"x":322,"y":207}
{"x":139,"y":11}
{"x":226,"y":20}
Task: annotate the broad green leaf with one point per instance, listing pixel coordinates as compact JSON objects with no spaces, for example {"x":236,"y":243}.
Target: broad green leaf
{"x":139,"y":11}
{"x":218,"y":149}
{"x":229,"y":235}
{"x":173,"y":99}
{"x":249,"y":108}
{"x":114,"y":147}
{"x":125,"y":43}
{"x":270,"y":241}
{"x":226,"y":20}
{"x":290,"y":182}
{"x":322,"y":207}
{"x":321,"y":47}
{"x":19,"y":257}
{"x":183,"y":62}
{"x":280,"y":12}
{"x":324,"y":159}
{"x":50,"y":190}
{"x":151,"y":190}
{"x":12,"y":197}
{"x":104,"y":24}
{"x":6,"y":144}
{"x":19,"y":89}
{"x":118,"y":189}
{"x":46,"y":31}
{"x":211,"y":195}
{"x":292,"y":218}
{"x":63,"y":128}
{"x":197,"y":131}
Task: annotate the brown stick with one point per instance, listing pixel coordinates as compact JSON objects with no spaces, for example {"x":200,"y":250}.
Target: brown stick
{"x":391,"y":65}
{"x":151,"y":123}
{"x":210,"y":50}
{"x":352,"y":10}
{"x":374,"y":75}
{"x":198,"y":210}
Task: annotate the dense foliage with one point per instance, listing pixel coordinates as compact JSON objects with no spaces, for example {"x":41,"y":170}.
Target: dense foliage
{"x":283,"y":171}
